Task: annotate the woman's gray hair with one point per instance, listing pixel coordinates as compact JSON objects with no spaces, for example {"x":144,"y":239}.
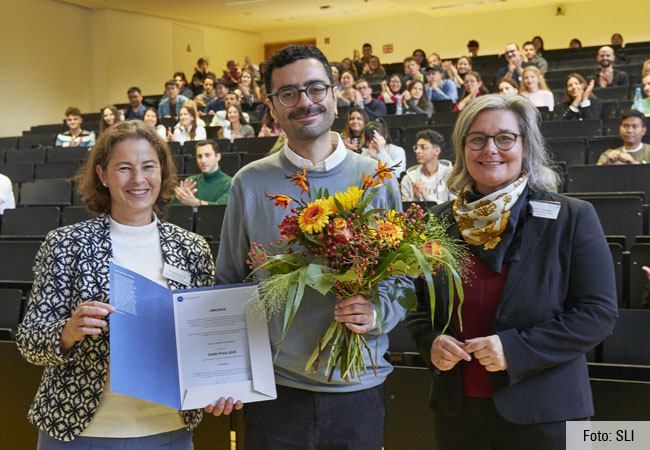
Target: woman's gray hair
{"x":536,"y":162}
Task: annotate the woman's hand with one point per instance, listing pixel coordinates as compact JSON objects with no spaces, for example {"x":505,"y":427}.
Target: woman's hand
{"x":406,"y":96}
{"x":356,"y":313}
{"x":170,"y":135}
{"x":447,"y":351}
{"x":224,"y":406}
{"x":377,"y":144}
{"x":587,"y":93}
{"x":350,"y":145}
{"x":489,"y":352}
{"x":85,"y":320}
{"x":384,"y":88}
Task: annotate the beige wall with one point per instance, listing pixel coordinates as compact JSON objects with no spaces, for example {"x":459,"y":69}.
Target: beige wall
{"x":54,"y":55}
{"x":592,"y":22}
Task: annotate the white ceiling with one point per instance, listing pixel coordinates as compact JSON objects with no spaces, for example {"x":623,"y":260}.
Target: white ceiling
{"x":274,"y":15}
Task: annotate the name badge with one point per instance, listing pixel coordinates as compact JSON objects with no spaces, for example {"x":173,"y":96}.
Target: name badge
{"x":545,"y":210}
{"x":174,"y":273}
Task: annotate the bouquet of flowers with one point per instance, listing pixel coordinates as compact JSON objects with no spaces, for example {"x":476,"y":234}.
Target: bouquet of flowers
{"x":338,"y":243}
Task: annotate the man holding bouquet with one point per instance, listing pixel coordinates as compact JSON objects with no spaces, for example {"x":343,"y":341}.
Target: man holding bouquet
{"x":316,"y":408}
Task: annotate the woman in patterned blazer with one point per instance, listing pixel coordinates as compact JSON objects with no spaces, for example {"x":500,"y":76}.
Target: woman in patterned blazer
{"x":128,"y":180}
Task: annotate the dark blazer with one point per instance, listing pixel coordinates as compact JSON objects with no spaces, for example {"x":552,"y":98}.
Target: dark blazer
{"x":558,"y":302}
{"x":71,"y":267}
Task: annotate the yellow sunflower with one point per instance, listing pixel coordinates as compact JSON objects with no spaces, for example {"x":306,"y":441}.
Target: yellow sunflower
{"x":315,"y":216}
{"x":390,"y":234}
{"x":348,"y":199}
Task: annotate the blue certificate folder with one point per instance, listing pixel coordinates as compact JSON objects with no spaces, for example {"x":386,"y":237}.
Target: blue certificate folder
{"x":144,"y":359}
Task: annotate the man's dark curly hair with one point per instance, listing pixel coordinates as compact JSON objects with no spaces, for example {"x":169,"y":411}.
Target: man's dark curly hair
{"x":291,"y":54}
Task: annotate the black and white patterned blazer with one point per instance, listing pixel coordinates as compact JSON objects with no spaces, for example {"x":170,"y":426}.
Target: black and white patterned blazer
{"x":71,"y":267}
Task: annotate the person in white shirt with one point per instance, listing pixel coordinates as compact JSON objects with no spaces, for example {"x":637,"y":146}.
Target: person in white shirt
{"x":7,"y":200}
{"x":220,"y":119}
{"x":534,"y":88}
{"x":378,"y":146}
{"x":189,"y":126}
{"x":428,"y":180}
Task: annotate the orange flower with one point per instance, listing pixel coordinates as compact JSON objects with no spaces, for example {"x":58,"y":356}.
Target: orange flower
{"x":432,"y":249}
{"x":383,"y":172}
{"x":300,"y":180}
{"x":280,"y":200}
{"x":368,"y":182}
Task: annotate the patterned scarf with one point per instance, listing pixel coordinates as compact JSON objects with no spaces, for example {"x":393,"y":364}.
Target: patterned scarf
{"x":482,"y":222}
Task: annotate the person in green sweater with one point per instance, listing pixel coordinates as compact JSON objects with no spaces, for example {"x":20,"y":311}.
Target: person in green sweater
{"x":211,"y":186}
{"x":633,"y":151}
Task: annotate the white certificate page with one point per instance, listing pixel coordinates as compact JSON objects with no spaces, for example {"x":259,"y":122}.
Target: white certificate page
{"x":212,"y":337}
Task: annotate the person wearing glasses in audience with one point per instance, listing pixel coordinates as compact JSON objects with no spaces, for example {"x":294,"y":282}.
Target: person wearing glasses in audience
{"x":428,"y":180}
{"x":373,"y":108}
{"x":127,"y":181}
{"x":309,"y":410}
{"x":539,"y":294}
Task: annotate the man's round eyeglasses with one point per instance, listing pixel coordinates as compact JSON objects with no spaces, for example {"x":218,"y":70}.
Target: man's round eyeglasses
{"x":422,"y":147}
{"x":504,"y":141}
{"x":290,"y":96}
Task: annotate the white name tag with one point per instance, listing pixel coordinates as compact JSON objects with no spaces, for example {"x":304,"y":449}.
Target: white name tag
{"x":545,"y":210}
{"x":174,"y":273}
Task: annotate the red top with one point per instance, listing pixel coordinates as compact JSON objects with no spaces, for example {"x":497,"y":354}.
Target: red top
{"x":482,"y":297}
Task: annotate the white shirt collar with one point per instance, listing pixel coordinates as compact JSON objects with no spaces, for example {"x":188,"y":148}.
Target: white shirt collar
{"x":328,"y":163}
{"x":634,"y":149}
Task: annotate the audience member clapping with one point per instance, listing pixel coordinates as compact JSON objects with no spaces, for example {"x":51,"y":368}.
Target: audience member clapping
{"x":473,"y":88}
{"x":237,"y":125}
{"x":580,"y":101}
{"x":507,"y":86}
{"x":391,"y":90}
{"x":110,"y":115}
{"x":353,"y":132}
{"x":377,"y":146}
{"x":438,"y":88}
{"x":189,"y":126}
{"x":606,"y":75}
{"x":415,"y":101}
{"x":202,"y":68}
{"x":456,"y":73}
{"x":534,"y":88}
{"x":634,"y":150}
{"x":75,"y":136}
{"x":360,"y":60}
{"x":232,"y":74}
{"x":151,"y":118}
{"x":348,"y":65}
{"x":515,"y":65}
{"x":373,"y":72}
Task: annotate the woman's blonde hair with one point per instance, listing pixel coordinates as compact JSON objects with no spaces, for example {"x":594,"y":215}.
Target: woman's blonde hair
{"x":536,"y":162}
{"x":540,"y":79}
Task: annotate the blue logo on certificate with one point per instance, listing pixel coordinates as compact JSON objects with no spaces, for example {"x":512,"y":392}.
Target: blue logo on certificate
{"x":180,"y":298}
